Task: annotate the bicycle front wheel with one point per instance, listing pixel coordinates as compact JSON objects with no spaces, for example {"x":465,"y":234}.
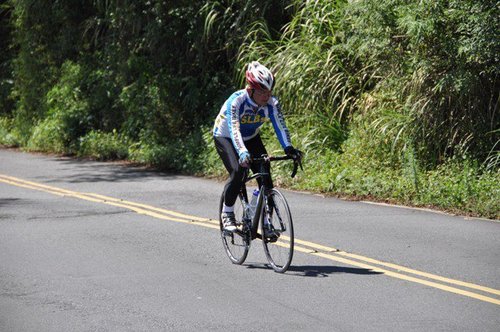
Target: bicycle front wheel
{"x":277,"y":231}
{"x":237,"y":243}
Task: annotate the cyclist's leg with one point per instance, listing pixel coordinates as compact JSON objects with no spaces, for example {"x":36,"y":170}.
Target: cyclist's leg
{"x":236,"y":243}
{"x":229,"y":157}
{"x":256,"y":148}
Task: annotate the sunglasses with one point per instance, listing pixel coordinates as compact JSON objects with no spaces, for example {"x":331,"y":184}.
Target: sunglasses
{"x":263,"y":92}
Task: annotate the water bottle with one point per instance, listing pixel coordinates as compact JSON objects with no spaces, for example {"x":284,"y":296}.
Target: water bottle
{"x":253,"y":203}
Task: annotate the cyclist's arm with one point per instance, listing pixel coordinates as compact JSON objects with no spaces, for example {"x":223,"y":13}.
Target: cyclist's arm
{"x":279,"y":125}
{"x":233,"y":122}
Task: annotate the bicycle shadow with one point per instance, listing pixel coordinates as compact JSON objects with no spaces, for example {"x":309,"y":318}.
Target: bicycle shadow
{"x":317,"y":271}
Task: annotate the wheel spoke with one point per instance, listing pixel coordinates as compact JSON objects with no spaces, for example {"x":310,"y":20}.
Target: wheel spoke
{"x":280,"y":219}
{"x":279,"y":251}
{"x":236,"y":244}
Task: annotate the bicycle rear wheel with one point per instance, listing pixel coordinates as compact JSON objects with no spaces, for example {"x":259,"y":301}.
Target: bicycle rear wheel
{"x":279,"y":248}
{"x":237,"y":243}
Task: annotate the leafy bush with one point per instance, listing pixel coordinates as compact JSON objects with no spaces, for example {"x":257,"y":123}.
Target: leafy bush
{"x":6,"y":75}
{"x":68,"y":115}
{"x":184,"y":155}
{"x":438,"y":62}
{"x":103,"y":146}
{"x":6,"y":136}
{"x":389,"y":99}
{"x":463,"y":187}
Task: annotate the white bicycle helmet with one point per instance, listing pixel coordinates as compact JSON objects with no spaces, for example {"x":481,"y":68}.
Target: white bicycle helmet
{"x":259,"y":77}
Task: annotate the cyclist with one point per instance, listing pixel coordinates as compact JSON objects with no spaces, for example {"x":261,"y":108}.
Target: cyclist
{"x":236,"y":133}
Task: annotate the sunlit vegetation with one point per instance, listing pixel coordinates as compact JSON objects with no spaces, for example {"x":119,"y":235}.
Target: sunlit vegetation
{"x":390,"y":100}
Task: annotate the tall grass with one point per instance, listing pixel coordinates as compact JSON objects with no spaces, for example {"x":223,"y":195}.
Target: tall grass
{"x":390,"y":96}
{"x":421,"y":67}
{"x":311,"y":71}
{"x":439,"y":58}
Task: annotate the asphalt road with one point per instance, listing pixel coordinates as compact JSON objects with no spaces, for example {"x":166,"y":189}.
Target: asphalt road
{"x":91,"y":246}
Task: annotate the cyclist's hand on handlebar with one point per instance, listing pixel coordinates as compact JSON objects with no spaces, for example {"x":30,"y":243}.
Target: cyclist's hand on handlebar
{"x":294,"y":153}
{"x":245,"y":159}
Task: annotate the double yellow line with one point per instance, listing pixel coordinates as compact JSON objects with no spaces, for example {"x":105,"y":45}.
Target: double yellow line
{"x":136,"y":207}
{"x":389,"y":269}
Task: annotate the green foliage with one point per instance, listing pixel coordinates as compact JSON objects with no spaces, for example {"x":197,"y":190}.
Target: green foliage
{"x":45,"y":34}
{"x":7,"y":137}
{"x":6,"y":77}
{"x":142,"y":104}
{"x":227,"y":22}
{"x":463,"y":186}
{"x":314,"y":78}
{"x":389,"y":99}
{"x":460,"y":186}
{"x":426,"y":56}
{"x":47,"y":136}
{"x":67,"y":117}
{"x":182,"y":155}
{"x":103,"y":146}
{"x":99,"y":89}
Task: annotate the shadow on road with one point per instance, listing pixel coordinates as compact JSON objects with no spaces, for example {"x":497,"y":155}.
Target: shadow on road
{"x":317,"y":270}
{"x":99,"y":171}
{"x":9,"y":201}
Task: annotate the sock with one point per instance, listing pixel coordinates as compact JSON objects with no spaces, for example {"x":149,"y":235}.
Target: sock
{"x":226,"y":208}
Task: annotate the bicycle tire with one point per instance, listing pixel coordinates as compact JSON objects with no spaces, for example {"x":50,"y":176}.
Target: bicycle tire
{"x":237,"y":243}
{"x":279,"y":252}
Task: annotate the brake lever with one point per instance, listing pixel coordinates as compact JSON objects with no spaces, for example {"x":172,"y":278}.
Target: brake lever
{"x":294,"y":172}
{"x":296,"y":164}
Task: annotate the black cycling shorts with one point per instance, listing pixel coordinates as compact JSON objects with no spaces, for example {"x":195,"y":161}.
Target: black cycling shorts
{"x":230,"y":158}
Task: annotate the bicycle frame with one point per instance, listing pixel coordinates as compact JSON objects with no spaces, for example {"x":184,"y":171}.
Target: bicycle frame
{"x":269,"y":203}
{"x":258,"y":210}
{"x":262,"y":190}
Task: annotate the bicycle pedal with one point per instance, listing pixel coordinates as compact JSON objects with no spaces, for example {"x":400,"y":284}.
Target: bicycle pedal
{"x":272,"y":239}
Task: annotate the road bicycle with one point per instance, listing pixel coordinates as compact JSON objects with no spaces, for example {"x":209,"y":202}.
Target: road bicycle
{"x":270,"y":210}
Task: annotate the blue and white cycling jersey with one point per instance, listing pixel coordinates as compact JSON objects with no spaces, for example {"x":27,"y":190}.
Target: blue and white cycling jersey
{"x":240,"y":119}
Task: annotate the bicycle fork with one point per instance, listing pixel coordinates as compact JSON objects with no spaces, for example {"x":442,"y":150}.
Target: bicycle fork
{"x":257,"y":215}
